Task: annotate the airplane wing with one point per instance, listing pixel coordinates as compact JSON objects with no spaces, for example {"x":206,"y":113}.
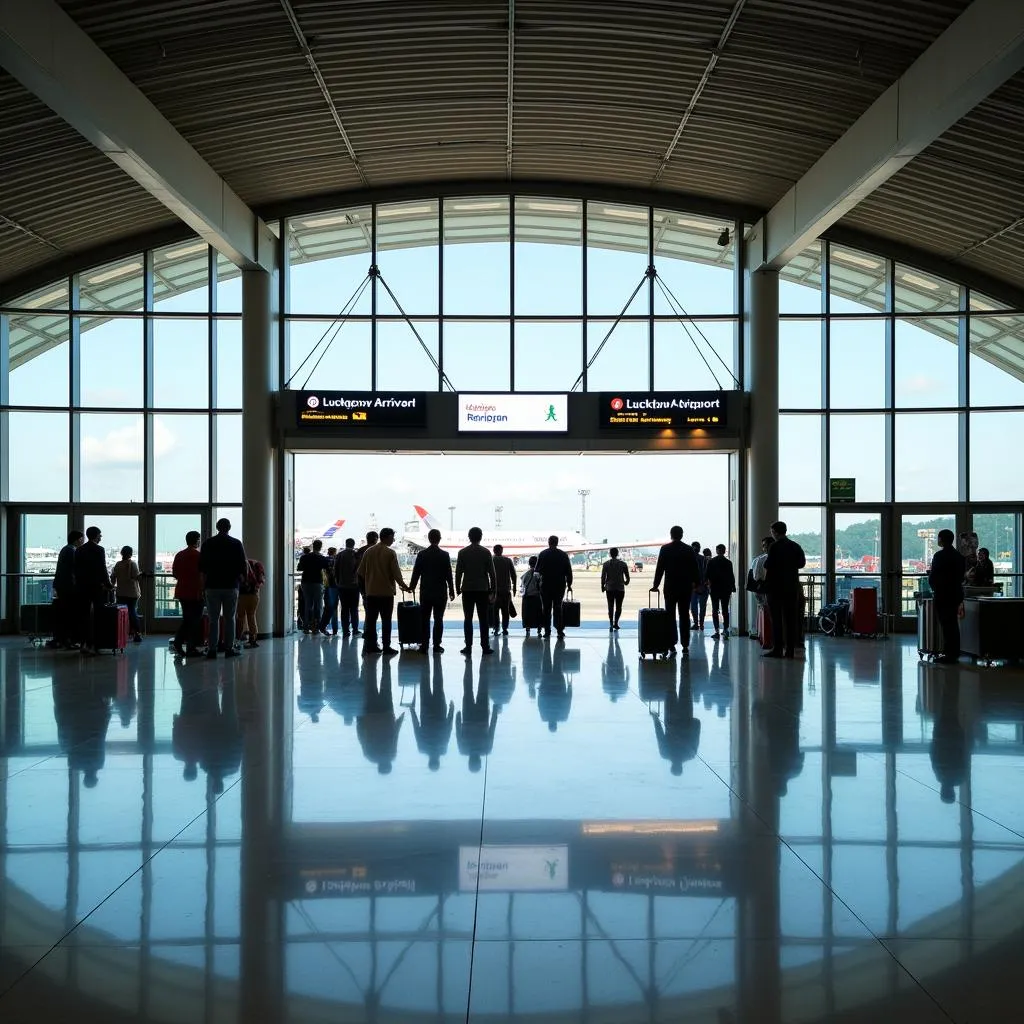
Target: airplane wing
{"x":581,"y":549}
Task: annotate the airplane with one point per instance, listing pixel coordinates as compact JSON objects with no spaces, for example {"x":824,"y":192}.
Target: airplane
{"x":517,"y":543}
{"x":304,"y":536}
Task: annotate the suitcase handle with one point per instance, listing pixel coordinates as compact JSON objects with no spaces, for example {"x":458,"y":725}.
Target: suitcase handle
{"x":568,"y":594}
{"x":653,"y":590}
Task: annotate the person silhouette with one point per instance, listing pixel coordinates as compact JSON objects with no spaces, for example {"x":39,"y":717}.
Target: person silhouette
{"x":500,"y":675}
{"x":949,"y":743}
{"x":476,"y":723}
{"x":679,"y":737}
{"x":554,"y":696}
{"x":190,"y":726}
{"x":224,"y":739}
{"x":377,"y":727}
{"x":778,"y":713}
{"x":82,"y":712}
{"x":614,"y":674}
{"x":433,"y":726}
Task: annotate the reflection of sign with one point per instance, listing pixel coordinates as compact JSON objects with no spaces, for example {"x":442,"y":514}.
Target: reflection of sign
{"x":521,"y":414}
{"x":332,"y":410}
{"x":842,"y":490}
{"x":352,"y":880}
{"x":692,"y":874}
{"x":663,"y":410}
{"x":513,"y":868}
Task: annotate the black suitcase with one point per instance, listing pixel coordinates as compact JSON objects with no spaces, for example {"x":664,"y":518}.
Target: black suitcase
{"x":37,"y":620}
{"x":533,"y":611}
{"x":570,"y":611}
{"x":410,"y":623}
{"x":655,"y":634}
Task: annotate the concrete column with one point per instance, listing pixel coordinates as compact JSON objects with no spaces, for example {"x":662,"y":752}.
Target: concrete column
{"x":260,"y":363}
{"x":762,"y":381}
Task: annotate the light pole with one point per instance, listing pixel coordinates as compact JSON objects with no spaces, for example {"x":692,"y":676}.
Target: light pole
{"x":498,"y":509}
{"x":583,"y":492}
{"x":451,"y":517}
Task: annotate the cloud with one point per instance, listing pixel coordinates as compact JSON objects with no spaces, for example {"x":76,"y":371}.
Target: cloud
{"x":123,"y":446}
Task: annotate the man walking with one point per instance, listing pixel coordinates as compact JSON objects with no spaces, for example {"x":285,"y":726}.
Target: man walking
{"x":223,"y":566}
{"x":92,"y":584}
{"x":433,"y":571}
{"x":677,"y":563}
{"x":474,"y":580}
{"x":555,"y":578}
{"x":700,"y":592}
{"x":946,"y":577}
{"x":505,"y":585}
{"x":721,"y":580}
{"x":614,"y":580}
{"x":188,"y":592}
{"x":782,"y":584}
{"x":380,"y":574}
{"x":348,"y":587}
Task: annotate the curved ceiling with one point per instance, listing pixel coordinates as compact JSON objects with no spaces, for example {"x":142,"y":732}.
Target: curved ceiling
{"x":599,"y":92}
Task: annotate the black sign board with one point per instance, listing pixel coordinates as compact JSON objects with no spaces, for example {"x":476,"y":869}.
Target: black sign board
{"x":663,"y":410}
{"x":360,"y":410}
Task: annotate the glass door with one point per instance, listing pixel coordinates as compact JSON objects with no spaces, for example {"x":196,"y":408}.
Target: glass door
{"x":859,"y":551}
{"x":40,"y":537}
{"x":917,"y":542}
{"x":167,"y":529}
{"x":1000,"y":532}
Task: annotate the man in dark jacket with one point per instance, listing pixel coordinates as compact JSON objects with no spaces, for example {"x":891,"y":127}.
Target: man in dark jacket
{"x":782,"y":584}
{"x":505,"y":585}
{"x":432,"y":570}
{"x":555,"y":572}
{"x":946,"y":577}
{"x":474,"y":580}
{"x":223,"y":566}
{"x":721,"y":580}
{"x":92,"y":584}
{"x":677,"y":563}
{"x":64,"y":591}
{"x":347,"y":581}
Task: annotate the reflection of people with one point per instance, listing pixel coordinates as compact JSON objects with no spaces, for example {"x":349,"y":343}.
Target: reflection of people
{"x":554,"y":697}
{"x":377,"y":727}
{"x":311,"y":681}
{"x":433,"y":727}
{"x":190,"y":726}
{"x":533,"y":658}
{"x":82,"y":711}
{"x":343,"y":690}
{"x":476,"y":723}
{"x":782,"y":582}
{"x":678,"y":564}
{"x":614,"y":674}
{"x":614,"y":580}
{"x":679,"y":737}
{"x":501,"y":676}
{"x":946,"y":577}
{"x":778,"y":714}
{"x":949,"y":743}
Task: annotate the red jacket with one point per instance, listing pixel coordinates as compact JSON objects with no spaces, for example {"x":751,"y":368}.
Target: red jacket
{"x":185,"y":569}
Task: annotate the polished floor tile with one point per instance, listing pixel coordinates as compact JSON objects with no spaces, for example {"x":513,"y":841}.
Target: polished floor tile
{"x":556,"y":832}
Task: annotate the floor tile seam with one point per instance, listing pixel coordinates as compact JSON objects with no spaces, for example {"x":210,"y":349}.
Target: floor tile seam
{"x":476,"y":895}
{"x":932,"y":789}
{"x":113,"y":892}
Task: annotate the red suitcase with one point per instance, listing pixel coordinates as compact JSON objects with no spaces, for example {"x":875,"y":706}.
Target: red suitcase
{"x":864,"y":611}
{"x":110,"y":628}
{"x":764,"y":627}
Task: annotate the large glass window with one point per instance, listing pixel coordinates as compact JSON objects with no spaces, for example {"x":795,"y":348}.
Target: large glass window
{"x":695,"y":259}
{"x":477,"y":355}
{"x":181,"y":364}
{"x":618,"y":244}
{"x":800,"y":465}
{"x":857,"y":449}
{"x":548,"y":257}
{"x":37,"y":456}
{"x":329,"y":262}
{"x":112,"y":447}
{"x":927,"y":369}
{"x":330,"y":354}
{"x":38,"y":357}
{"x":477,"y":255}
{"x":997,"y":469}
{"x":618,"y":360}
{"x":407,"y":256}
{"x":228,"y":365}
{"x":857,"y":364}
{"x":800,"y":364}
{"x":181,"y":458}
{"x":927,"y":462}
{"x":800,"y":282}
{"x":997,"y":360}
{"x":549,"y":356}
{"x":406,"y":362}
{"x":181,"y":278}
{"x":114,"y":286}
{"x":229,"y":457}
{"x":111,"y":362}
{"x":694,"y":355}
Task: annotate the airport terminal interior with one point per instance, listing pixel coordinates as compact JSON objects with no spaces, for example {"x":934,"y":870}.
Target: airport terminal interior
{"x":540,"y":267}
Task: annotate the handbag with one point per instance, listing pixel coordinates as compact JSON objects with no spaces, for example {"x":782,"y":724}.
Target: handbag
{"x":512,"y":613}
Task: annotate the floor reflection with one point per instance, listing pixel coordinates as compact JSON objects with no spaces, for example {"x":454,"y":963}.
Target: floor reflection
{"x":302,"y":835}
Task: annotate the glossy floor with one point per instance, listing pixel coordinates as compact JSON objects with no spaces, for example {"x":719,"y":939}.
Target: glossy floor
{"x":559,"y":832}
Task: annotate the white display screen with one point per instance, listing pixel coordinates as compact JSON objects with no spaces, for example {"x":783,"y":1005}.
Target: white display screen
{"x":517,"y":414}
{"x":513,"y":868}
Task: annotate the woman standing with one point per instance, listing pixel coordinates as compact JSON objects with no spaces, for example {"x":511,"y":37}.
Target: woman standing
{"x":125,"y":579}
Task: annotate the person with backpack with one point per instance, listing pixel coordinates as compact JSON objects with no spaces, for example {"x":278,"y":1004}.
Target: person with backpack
{"x":249,"y":601}
{"x":529,"y":588}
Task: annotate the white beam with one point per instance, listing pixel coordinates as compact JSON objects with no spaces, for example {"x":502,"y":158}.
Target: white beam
{"x":54,"y":59}
{"x":980,"y":51}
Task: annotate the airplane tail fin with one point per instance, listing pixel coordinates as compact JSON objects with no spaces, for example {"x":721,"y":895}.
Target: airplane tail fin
{"x":333,"y":529}
{"x":429,"y":520}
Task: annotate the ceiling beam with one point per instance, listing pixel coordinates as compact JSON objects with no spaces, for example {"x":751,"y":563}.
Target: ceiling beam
{"x":54,"y":59}
{"x":511,"y":84}
{"x":980,"y":51}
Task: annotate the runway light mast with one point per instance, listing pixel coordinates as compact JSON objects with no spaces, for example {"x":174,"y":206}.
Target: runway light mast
{"x":498,"y":509}
{"x":583,"y":492}
{"x":451,"y":517}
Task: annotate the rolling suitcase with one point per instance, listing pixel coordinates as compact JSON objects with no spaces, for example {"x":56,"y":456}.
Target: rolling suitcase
{"x":410,"y":623}
{"x":655,"y":634}
{"x":533,"y":611}
{"x":110,"y":628}
{"x":764,"y":628}
{"x":864,"y":611}
{"x":570,"y":611}
{"x":930,"y":640}
{"x":37,"y":621}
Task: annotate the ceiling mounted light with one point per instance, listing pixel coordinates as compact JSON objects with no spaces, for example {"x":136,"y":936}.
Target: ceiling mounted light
{"x":405,"y":211}
{"x":178,"y":254}
{"x":854,"y":259}
{"x":725,"y":239}
{"x":920,"y":282}
{"x":112,"y":275}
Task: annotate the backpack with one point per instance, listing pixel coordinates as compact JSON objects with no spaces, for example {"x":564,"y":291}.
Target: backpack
{"x":254,"y":578}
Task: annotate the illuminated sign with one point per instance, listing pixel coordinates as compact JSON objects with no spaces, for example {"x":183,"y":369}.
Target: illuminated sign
{"x":355,"y":410}
{"x":663,"y":410}
{"x":513,"y":868}
{"x":515,"y":414}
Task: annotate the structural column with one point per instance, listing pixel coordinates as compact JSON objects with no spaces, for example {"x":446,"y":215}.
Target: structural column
{"x":260,"y":371}
{"x":762,"y":381}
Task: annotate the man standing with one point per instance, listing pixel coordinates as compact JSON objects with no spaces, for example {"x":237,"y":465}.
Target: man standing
{"x":433,"y":571}
{"x":348,"y":587}
{"x":64,"y":591}
{"x":223,"y":566}
{"x":371,"y":539}
{"x":614,"y":580}
{"x":312,"y":565}
{"x":700,"y":591}
{"x":782,"y":584}
{"x":678,"y":564}
{"x":505,"y":585}
{"x":721,"y":581}
{"x":330,"y":595}
{"x":188,"y":592}
{"x":946,"y":577}
{"x":555,"y":578}
{"x":379,"y":572}
{"x":474,"y":580}
{"x":92,"y":584}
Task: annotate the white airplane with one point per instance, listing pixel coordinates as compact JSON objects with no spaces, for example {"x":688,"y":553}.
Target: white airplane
{"x":517,"y":543}
{"x":305,"y":536}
